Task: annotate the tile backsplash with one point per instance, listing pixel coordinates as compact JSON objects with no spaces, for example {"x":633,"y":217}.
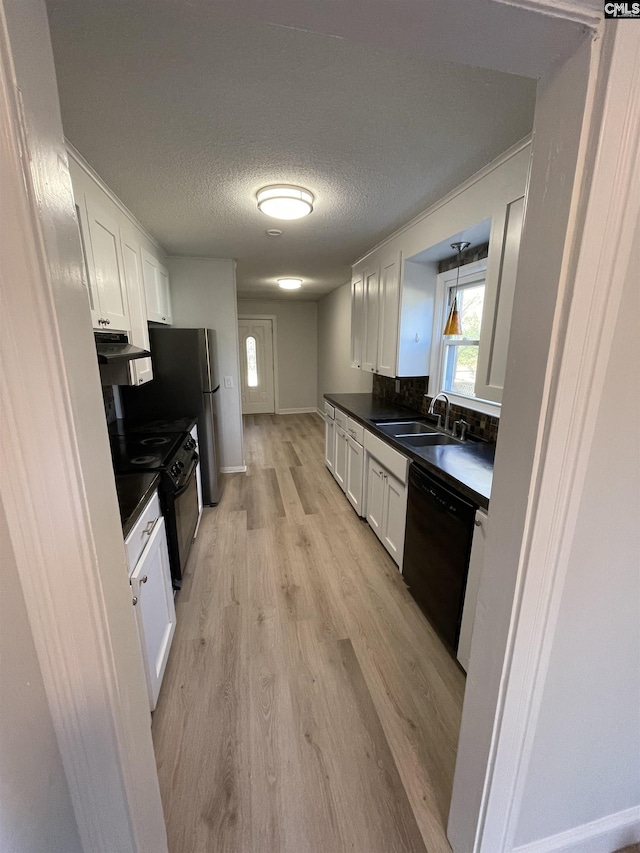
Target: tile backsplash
{"x":412,"y":395}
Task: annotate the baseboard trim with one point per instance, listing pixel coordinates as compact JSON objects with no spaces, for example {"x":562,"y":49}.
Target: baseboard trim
{"x":304,"y":411}
{"x":600,"y":836}
{"x":234,"y":469}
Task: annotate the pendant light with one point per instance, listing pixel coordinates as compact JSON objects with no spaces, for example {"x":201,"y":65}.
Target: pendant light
{"x":453,"y":326}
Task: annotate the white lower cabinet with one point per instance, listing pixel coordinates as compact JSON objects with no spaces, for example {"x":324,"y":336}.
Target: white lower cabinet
{"x":329,"y":442}
{"x":355,"y":475}
{"x":386,"y":508}
{"x":154,"y":608}
{"x":340,"y":460}
{"x":476,"y":563}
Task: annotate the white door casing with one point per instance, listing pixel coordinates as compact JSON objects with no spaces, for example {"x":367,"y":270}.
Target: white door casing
{"x":255,"y":340}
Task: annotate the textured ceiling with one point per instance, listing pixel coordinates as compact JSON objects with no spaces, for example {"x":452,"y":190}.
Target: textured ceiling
{"x":186,"y":114}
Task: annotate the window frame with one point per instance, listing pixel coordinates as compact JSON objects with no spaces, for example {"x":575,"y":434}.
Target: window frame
{"x":470,"y":274}
{"x":246,"y":352}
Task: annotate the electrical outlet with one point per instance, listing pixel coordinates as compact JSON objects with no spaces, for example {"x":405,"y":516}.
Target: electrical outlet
{"x":228,"y":381}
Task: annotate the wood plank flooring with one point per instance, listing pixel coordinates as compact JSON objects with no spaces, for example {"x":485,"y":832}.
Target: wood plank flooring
{"x":307,"y":706}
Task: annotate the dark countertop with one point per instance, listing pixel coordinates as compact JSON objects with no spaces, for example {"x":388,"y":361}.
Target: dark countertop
{"x":134,"y":491}
{"x":467,"y":467}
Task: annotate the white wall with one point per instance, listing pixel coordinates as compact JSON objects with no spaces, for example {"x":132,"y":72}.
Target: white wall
{"x":203,"y":295}
{"x":297,"y":349}
{"x":36,"y":815}
{"x":587,"y":740}
{"x":335,"y":374}
{"x":61,"y":507}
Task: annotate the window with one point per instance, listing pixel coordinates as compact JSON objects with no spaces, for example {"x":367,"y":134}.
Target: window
{"x":460,"y":356}
{"x":455,"y":360}
{"x":252,"y":363}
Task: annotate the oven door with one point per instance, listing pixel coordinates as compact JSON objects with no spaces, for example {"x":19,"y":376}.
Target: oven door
{"x":186,"y":513}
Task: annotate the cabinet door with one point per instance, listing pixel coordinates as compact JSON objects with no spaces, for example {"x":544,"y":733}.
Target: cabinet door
{"x":164,"y":295}
{"x":389,"y":309}
{"x":355,"y":474}
{"x":340,"y":462}
{"x":394,"y":517}
{"x":375,"y":496}
{"x":156,"y":288}
{"x":155,"y":611}
{"x":498,"y":306}
{"x":107,"y":262}
{"x":476,"y":563}
{"x":141,"y":369}
{"x":370,"y":343}
{"x":357,"y":320}
{"x":329,"y":442}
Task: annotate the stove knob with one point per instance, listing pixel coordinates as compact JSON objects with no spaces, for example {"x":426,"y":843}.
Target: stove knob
{"x":175,"y":470}
{"x":180,"y":464}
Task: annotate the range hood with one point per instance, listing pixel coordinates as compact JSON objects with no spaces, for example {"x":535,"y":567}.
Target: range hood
{"x":114,"y":348}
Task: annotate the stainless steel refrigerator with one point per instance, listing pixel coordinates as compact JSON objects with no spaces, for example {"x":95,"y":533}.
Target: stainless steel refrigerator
{"x":185,"y":384}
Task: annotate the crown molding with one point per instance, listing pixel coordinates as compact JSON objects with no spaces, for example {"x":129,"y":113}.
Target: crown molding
{"x":95,"y":177}
{"x":562,"y":9}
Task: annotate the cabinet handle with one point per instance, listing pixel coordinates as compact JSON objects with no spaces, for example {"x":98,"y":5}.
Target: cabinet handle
{"x":150,"y":525}
{"x":144,"y":579}
{"x":477,"y":522}
{"x":140,"y":381}
{"x":134,"y":600}
{"x":164,"y":318}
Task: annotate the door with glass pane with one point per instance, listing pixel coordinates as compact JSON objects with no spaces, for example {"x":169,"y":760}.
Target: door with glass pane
{"x":256,"y":366}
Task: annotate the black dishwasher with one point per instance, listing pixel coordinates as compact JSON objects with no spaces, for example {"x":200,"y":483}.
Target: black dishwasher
{"x":436,"y":551}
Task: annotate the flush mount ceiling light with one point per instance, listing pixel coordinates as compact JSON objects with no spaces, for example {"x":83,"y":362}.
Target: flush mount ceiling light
{"x":289,"y":283}
{"x":283,"y":201}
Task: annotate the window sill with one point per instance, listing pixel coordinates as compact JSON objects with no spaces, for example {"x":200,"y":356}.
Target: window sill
{"x":485,"y":407}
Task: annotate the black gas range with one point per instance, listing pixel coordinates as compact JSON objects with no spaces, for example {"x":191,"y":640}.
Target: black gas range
{"x":173,"y":456}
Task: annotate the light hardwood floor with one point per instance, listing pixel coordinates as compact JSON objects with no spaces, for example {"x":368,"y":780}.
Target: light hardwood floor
{"x":307,"y":706}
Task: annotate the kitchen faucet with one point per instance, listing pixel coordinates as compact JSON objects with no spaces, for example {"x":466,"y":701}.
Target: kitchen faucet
{"x":447,"y":409}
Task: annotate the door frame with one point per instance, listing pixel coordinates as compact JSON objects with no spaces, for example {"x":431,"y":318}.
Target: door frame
{"x":274,"y":320}
{"x":78,"y":603}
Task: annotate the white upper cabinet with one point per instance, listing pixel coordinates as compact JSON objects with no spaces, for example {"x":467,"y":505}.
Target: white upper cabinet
{"x":103,"y":266}
{"x":141,"y":369}
{"x":389,"y":307}
{"x":357,"y":318}
{"x":156,"y":287}
{"x":114,"y":248}
{"x":371,"y":278}
{"x":399,"y":329}
{"x":498,"y":304}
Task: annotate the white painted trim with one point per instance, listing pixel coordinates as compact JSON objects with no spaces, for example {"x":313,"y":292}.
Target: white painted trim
{"x":274,"y":334}
{"x":303,"y":411}
{"x":91,"y":172}
{"x":599,"y":836}
{"x":565,"y":10}
{"x":105,"y":744}
{"x":234,"y":469}
{"x":462,"y":188}
{"x":594,"y":274}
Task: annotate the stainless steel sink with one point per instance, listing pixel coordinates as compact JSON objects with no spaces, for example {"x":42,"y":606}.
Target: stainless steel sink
{"x":426,"y":440}
{"x":400,"y":429}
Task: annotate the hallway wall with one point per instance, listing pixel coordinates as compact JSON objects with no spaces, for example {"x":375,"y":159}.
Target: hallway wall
{"x":335,"y":374}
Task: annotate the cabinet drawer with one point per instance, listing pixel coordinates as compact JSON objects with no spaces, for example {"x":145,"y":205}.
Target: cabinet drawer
{"x":329,"y":410}
{"x":355,"y":430}
{"x":394,"y":462}
{"x":341,"y":419}
{"x":139,"y":536}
